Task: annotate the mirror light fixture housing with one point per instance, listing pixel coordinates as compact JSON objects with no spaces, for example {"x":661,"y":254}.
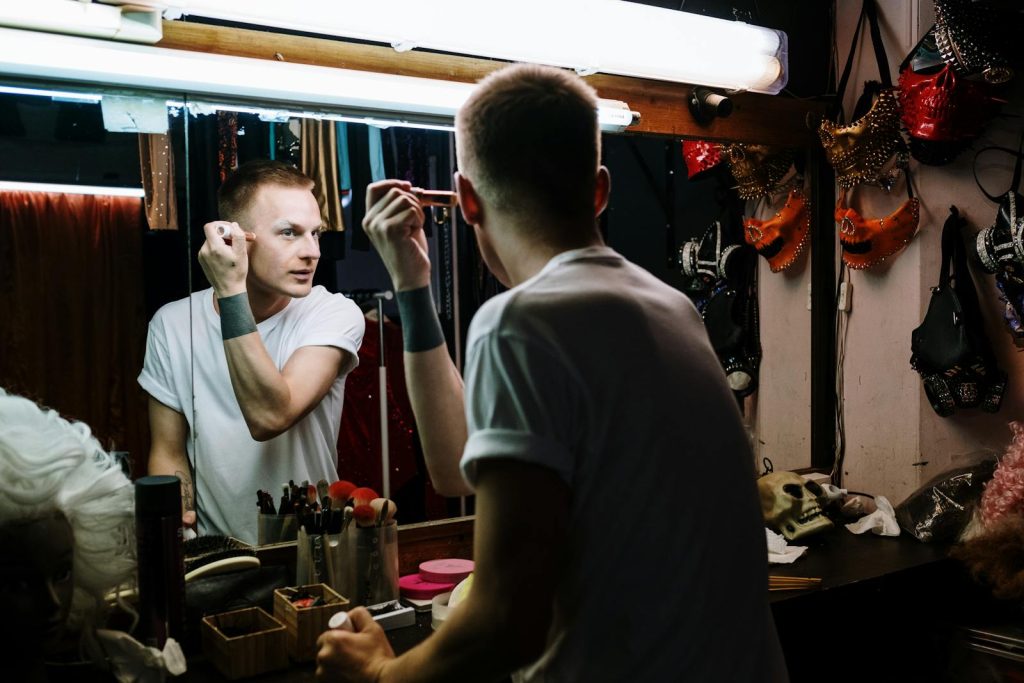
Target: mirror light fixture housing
{"x":31,"y":56}
{"x":130,"y":23}
{"x":590,"y":36}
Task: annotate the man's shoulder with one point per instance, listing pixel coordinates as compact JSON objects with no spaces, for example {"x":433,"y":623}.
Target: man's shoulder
{"x":320,"y":299}
{"x":179,"y":308}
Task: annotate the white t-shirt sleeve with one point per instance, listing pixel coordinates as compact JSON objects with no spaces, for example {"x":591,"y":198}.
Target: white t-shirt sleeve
{"x":521,"y":403}
{"x":157,"y":376}
{"x":336,"y":321}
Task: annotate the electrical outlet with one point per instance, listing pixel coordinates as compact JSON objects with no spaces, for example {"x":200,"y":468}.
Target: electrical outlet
{"x":845,"y":302}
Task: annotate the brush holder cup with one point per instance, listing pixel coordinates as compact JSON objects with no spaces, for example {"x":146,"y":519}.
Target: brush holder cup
{"x":360,"y":563}
{"x":276,"y":528}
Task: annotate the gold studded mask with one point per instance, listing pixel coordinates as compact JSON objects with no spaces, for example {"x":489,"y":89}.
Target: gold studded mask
{"x":870,"y":150}
{"x":757,"y":169}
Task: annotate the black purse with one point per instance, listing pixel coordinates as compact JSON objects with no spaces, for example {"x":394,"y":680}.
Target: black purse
{"x":949,"y":348}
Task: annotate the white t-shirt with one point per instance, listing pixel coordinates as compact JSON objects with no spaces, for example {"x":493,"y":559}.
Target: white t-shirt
{"x":230,"y":465}
{"x":601,"y":372}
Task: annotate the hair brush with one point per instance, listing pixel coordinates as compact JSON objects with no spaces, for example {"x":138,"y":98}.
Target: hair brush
{"x":214,"y":554}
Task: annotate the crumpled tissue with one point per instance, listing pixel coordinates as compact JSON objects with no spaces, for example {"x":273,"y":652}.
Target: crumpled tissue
{"x":881,"y":522}
{"x":779,"y":552}
{"x":132,"y":662}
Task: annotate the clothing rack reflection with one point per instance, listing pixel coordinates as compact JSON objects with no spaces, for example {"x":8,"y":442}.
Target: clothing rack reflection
{"x":363,"y":296}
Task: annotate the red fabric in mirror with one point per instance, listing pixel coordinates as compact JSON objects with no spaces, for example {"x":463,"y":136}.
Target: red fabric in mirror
{"x":72,"y":317}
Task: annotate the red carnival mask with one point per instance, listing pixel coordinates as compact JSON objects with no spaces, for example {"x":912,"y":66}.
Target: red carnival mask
{"x":943,"y":106}
{"x":782,"y":238}
{"x":700,"y":156}
{"x":866,"y":242}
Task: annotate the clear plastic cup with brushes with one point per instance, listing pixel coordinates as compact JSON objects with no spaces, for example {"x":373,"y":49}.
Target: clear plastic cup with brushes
{"x":356,"y":552}
{"x":276,"y":525}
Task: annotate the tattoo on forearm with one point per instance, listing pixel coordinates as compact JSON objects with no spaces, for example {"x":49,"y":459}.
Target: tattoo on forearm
{"x":187,"y":495}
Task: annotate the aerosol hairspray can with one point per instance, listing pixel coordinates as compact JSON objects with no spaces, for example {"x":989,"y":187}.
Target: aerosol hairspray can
{"x":161,"y":565}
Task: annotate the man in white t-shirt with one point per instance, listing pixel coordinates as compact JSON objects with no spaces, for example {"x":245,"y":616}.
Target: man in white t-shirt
{"x":246,"y":379}
{"x":618,"y":532}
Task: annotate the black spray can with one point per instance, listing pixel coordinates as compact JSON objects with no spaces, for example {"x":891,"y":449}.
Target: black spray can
{"x":161,"y":565}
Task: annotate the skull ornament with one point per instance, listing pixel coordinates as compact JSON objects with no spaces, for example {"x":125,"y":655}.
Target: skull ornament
{"x":791,"y":505}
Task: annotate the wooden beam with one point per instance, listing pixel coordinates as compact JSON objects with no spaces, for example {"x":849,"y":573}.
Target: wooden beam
{"x":662,"y":105}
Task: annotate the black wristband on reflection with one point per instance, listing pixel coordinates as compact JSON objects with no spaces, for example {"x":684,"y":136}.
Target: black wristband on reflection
{"x":235,"y":316}
{"x":421,"y":329}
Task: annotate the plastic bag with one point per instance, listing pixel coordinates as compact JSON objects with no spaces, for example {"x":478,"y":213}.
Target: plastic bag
{"x":940,"y":509}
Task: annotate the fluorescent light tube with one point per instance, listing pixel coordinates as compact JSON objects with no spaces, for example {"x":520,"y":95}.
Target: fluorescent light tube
{"x":607,"y":36}
{"x":26,"y":54}
{"x":72,"y":189}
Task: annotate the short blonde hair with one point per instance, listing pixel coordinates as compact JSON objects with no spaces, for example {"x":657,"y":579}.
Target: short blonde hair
{"x":528,"y":139}
{"x":238,"y":191}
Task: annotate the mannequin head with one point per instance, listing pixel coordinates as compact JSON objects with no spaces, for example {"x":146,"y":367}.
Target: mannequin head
{"x":66,"y":527}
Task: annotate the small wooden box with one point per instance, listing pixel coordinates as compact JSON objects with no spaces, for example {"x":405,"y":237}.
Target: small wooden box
{"x":305,"y":624}
{"x":260,"y":646}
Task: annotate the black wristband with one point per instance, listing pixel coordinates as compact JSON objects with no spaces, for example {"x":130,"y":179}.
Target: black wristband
{"x":421,"y":329}
{"x":235,"y":316}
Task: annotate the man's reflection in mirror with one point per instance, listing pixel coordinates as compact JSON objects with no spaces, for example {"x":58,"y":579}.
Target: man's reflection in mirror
{"x":263,"y":352}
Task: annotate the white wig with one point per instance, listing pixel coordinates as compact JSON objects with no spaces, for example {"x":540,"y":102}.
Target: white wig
{"x":49,"y":465}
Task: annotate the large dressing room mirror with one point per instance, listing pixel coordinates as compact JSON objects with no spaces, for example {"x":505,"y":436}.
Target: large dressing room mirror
{"x":84,"y":273}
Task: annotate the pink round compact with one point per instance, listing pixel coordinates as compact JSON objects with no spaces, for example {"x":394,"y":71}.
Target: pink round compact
{"x":446,"y":571}
{"x":415,"y":587}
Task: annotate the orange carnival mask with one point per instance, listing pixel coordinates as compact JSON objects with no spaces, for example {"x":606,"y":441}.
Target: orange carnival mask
{"x":782,"y":238}
{"x":866,"y":242}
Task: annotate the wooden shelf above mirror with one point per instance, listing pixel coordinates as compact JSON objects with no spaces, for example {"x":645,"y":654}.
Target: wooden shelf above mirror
{"x":662,"y":105}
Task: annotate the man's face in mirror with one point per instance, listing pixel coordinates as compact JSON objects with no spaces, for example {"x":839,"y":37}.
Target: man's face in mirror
{"x":284,"y":256}
{"x":36,"y":584}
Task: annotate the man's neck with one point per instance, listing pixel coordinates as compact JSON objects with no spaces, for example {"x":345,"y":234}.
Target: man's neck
{"x":526,"y":258}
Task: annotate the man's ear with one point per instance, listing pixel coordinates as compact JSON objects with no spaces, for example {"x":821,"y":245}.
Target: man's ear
{"x":602,"y":190}
{"x":469,"y":200}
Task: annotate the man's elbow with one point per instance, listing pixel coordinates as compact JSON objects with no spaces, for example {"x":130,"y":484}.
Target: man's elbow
{"x":451,"y":487}
{"x":266,"y":428}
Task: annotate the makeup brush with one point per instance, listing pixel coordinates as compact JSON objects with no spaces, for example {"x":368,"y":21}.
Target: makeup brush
{"x":284,"y":509}
{"x":385,"y":509}
{"x":363,"y":495}
{"x":364,"y":515}
{"x":223,"y":232}
{"x":340,"y":491}
{"x":436,"y":197}
{"x":322,"y":490}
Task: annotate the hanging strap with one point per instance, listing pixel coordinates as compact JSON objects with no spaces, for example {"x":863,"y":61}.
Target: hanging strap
{"x":868,"y":12}
{"x":1015,"y":183}
{"x":950,"y":239}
